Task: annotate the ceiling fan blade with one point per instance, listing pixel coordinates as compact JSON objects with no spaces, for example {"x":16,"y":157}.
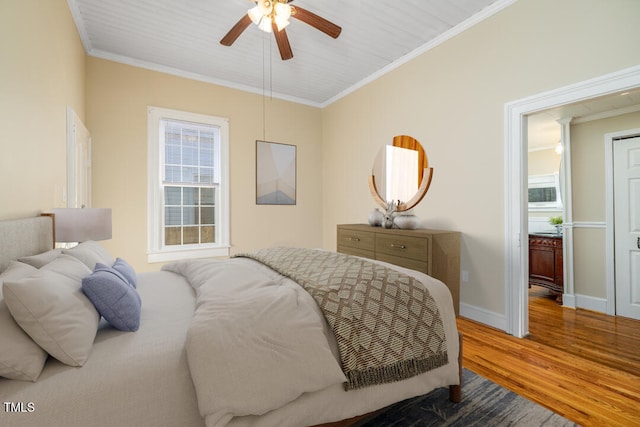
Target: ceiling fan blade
{"x":318,"y":22}
{"x":236,"y":30}
{"x":283,"y":43}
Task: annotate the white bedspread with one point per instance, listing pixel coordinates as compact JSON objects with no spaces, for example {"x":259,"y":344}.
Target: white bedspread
{"x":257,"y":340}
{"x":261,"y":353}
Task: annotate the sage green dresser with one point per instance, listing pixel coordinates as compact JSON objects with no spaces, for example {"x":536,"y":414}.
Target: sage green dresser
{"x":433,"y":252}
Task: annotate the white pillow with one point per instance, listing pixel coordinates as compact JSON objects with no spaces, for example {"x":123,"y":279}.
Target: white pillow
{"x":42,"y":259}
{"x":90,"y":253}
{"x":51,"y":307}
{"x":20,"y":357}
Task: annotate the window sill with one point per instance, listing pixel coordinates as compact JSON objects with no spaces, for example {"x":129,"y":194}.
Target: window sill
{"x":177,"y":255}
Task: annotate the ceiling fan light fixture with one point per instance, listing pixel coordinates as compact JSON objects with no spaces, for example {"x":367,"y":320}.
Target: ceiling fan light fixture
{"x":282,"y":13}
{"x":255,"y":15}
{"x":281,"y":23}
{"x":283,"y":10}
{"x":265,"y":7}
{"x":265,"y":24}
{"x":272,"y":16}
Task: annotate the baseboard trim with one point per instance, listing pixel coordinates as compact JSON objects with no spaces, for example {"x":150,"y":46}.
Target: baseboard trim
{"x":569,"y":300}
{"x":591,"y":303}
{"x":481,"y":315}
{"x":499,"y":321}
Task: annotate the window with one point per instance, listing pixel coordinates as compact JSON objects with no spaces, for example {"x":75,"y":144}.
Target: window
{"x":544,"y":192}
{"x":188,"y":185}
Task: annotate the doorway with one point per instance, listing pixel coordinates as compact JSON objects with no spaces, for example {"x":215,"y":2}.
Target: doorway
{"x":516,"y":274}
{"x":546,"y":206}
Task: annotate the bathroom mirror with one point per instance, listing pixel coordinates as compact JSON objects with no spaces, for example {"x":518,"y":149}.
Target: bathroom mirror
{"x":401,"y":174}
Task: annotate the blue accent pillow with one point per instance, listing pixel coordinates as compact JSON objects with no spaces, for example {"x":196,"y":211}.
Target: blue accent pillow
{"x":124,"y":268}
{"x":113,"y":297}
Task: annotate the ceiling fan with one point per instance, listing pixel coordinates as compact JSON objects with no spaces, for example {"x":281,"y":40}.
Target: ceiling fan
{"x":273,"y":16}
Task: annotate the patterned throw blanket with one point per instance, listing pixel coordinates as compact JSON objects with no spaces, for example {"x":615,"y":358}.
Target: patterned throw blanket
{"x":386,"y":323}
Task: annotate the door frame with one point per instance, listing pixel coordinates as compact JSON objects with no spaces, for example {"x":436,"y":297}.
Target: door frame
{"x":73,"y":123}
{"x":609,"y":140}
{"x":515,"y":140}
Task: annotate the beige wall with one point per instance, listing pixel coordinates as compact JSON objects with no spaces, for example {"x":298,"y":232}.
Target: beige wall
{"x":542,"y":162}
{"x":589,"y":199}
{"x":587,"y":164}
{"x":42,"y":71}
{"x":452,"y":100}
{"x":117,"y":99}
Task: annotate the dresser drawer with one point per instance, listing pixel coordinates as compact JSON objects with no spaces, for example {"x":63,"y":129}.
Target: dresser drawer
{"x":413,"y":264}
{"x":415,"y":248}
{"x":356,"y":239}
{"x":355,"y":251}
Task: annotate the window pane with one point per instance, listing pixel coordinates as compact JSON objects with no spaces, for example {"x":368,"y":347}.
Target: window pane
{"x":172,"y":154}
{"x":207,"y":196}
{"x":206,"y":215}
{"x":207,"y":137}
{"x":172,"y":195}
{"x":172,"y":174}
{"x":172,"y":216}
{"x":206,"y":155}
{"x":190,"y":196}
{"x":189,"y":136}
{"x":208,"y":234}
{"x":191,"y":235}
{"x":172,"y":133}
{"x":189,"y":215}
{"x":546,"y":194}
{"x":206,"y":175}
{"x":190,"y":156}
{"x":190,"y":174}
{"x":172,"y":236}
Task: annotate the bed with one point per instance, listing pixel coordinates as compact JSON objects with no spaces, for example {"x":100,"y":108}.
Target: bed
{"x":269,"y":359}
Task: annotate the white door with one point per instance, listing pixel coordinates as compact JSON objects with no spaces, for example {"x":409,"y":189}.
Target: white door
{"x":78,"y":162}
{"x":626,"y":181}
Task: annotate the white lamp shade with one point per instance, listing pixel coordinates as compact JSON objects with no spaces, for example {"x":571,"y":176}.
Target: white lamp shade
{"x":82,"y":224}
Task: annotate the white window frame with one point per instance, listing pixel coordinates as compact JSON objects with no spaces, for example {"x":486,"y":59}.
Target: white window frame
{"x":156,"y":251}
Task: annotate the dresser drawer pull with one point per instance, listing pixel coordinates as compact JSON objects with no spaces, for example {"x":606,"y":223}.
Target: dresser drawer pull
{"x":393,"y":245}
{"x":354,"y":239}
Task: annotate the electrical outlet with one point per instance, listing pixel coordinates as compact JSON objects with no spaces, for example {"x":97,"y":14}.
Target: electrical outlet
{"x":464,"y":276}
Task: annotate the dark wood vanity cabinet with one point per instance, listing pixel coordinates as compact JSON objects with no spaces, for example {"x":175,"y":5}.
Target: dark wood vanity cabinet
{"x":546,"y":264}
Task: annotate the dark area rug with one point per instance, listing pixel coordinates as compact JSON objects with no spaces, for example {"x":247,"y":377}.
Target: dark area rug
{"x":484,"y":403}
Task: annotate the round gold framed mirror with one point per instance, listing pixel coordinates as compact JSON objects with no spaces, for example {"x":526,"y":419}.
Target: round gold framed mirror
{"x":401,"y":174}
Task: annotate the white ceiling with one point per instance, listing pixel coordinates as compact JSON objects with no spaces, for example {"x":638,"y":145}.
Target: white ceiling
{"x":544,"y":130}
{"x":182,"y":37}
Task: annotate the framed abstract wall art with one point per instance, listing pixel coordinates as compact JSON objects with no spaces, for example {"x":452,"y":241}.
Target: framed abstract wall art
{"x":275,"y":173}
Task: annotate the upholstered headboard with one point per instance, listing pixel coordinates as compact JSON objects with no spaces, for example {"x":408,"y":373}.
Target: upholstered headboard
{"x":24,"y":237}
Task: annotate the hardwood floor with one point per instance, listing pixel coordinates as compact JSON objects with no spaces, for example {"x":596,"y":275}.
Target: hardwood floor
{"x":582,"y":365}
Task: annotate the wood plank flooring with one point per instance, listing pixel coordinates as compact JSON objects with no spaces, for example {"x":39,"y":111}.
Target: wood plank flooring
{"x":608,"y":340}
{"x":582,"y":365}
